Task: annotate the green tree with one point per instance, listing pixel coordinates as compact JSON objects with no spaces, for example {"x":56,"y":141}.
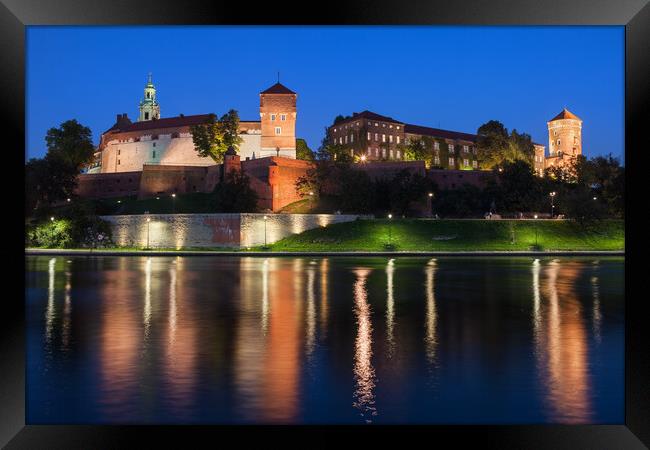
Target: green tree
{"x":214,"y":137}
{"x":495,"y":146}
{"x":234,"y":194}
{"x":419,"y":150}
{"x":303,"y":151}
{"x":405,"y":189}
{"x":71,"y":144}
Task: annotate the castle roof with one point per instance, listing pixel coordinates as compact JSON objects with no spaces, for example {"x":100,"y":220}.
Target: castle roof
{"x":436,"y":132}
{"x":167,"y":122}
{"x":373,"y":116}
{"x":565,"y":114}
{"x":278,"y":88}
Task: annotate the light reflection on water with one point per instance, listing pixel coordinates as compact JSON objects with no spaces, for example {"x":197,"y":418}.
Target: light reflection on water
{"x":282,"y":340}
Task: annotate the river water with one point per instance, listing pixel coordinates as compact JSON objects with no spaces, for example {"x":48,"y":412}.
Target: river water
{"x":129,"y":339}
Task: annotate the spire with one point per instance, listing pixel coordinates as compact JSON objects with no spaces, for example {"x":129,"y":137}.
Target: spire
{"x":149,"y":79}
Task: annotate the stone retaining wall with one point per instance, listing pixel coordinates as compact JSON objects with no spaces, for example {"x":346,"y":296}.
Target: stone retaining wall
{"x":213,"y":230}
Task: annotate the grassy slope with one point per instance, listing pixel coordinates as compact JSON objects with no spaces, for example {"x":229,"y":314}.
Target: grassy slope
{"x":419,"y":235}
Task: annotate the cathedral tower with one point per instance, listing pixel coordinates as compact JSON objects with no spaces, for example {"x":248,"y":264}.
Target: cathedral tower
{"x":149,"y":107}
{"x":564,"y":136}
{"x":278,"y":117}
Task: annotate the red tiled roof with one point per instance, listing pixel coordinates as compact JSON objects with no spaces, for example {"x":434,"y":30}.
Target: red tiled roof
{"x":565,"y":114}
{"x":278,"y":88}
{"x":167,"y":122}
{"x":373,"y":116}
{"x":435,"y":132}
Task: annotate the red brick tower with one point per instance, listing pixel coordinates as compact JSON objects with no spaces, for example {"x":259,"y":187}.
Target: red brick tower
{"x":278,"y":117}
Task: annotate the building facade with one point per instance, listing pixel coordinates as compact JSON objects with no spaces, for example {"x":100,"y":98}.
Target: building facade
{"x":372,"y":137}
{"x":128,"y":146}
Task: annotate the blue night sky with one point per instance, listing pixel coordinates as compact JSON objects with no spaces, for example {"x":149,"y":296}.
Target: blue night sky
{"x":455,"y":78}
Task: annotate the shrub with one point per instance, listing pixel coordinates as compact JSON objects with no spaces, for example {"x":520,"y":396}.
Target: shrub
{"x":51,"y":234}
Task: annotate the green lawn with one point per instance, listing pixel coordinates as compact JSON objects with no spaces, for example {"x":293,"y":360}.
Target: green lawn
{"x":458,"y":235}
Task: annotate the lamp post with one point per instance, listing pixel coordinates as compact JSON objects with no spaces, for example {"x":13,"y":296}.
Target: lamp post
{"x":174,"y":203}
{"x":535,"y":216}
{"x":390,"y":234}
{"x":430,"y":197}
{"x":265,"y":219}
{"x":552,"y":194}
{"x":148,"y":222}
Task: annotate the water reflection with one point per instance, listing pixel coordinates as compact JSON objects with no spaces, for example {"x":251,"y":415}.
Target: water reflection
{"x":364,"y":373}
{"x":561,"y":345}
{"x":390,"y":307}
{"x":431,"y":316}
{"x":270,"y":340}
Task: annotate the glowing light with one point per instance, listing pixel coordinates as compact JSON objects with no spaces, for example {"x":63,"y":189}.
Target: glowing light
{"x":51,"y":219}
{"x":390,"y":307}
{"x":173,"y":195}
{"x":552,"y":194}
{"x":535,"y":216}
{"x":363,"y":158}
{"x":430,"y":340}
{"x":68,"y":200}
{"x":430,"y":194}
{"x":390,"y":216}
{"x":119,"y":201}
{"x":595,"y":198}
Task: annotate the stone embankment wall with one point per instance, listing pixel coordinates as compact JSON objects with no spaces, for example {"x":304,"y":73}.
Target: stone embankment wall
{"x":213,"y":230}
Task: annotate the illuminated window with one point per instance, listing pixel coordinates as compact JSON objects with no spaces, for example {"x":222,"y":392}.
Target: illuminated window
{"x":399,"y":154}
{"x":383,"y":152}
{"x":474,"y":164}
{"x":451,"y":148}
{"x":391,"y":154}
{"x":436,"y":160}
{"x":466,"y":148}
{"x":383,"y":138}
{"x":436,"y":145}
{"x":340,"y":140}
{"x":397,"y":137}
{"x":466,"y":162}
{"x":368,"y":135}
{"x":451,"y":161}
{"x":376,"y":137}
{"x":398,"y":127}
{"x":346,"y":138}
{"x":352,"y":138}
{"x":390,"y":138}
{"x":278,"y":130}
{"x":369,"y":151}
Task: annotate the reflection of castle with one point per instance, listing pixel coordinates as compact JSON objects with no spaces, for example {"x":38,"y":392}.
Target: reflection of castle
{"x":128,"y":146}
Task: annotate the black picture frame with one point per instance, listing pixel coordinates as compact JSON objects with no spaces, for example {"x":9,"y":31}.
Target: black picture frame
{"x":15,"y":15}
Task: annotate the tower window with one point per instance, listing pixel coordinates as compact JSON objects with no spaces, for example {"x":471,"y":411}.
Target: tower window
{"x":118,"y":162}
{"x":272,"y":116}
{"x":278,"y":130}
{"x":146,"y":116}
{"x":148,"y":95}
{"x":153,"y":154}
{"x":283,"y":117}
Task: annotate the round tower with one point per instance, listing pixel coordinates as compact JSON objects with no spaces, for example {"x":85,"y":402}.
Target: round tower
{"x":149,"y":107}
{"x":564,"y":135}
{"x":278,"y":121}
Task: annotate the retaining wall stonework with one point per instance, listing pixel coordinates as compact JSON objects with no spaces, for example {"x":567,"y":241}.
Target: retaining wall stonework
{"x":213,"y":230}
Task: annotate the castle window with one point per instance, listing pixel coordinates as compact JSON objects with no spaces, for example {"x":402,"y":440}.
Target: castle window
{"x":153,"y":154}
{"x":369,"y":151}
{"x":466,"y":162}
{"x":376,"y":137}
{"x":283,"y":117}
{"x":146,"y":116}
{"x":558,"y":142}
{"x":383,"y":152}
{"x":352,"y":138}
{"x":397,"y":137}
{"x":383,"y":138}
{"x":278,"y":130}
{"x":369,"y":135}
{"x":118,"y":151}
{"x":398,"y":127}
{"x":391,"y":154}
{"x":346,"y":138}
{"x":340,"y":140}
{"x":390,"y":138}
{"x":377,"y":153}
{"x":390,"y":126}
{"x":436,"y":160}
{"x":451,"y":148}
{"x":399,"y":154}
{"x":451,"y":161}
{"x":273,"y":118}
{"x":148,"y":95}
{"x":466,"y":148}
{"x":376,"y":124}
{"x":474,"y":164}
{"x":118,"y":162}
{"x":436,"y":145}
{"x":335,"y":130}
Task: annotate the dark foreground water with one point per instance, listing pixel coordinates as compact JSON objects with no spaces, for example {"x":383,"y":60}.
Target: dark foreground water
{"x":324,"y":340}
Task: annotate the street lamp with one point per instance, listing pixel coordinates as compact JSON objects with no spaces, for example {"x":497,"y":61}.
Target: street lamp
{"x":51,"y":219}
{"x":595,"y":198}
{"x":390,"y":234}
{"x":552,"y":194}
{"x":535,"y":216}
{"x":68,"y":200}
{"x":265,"y":219}
{"x":174,"y":203}
{"x":430,"y":196}
{"x":363,"y":158}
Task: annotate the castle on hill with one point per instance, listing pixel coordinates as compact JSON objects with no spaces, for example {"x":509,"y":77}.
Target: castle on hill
{"x":128,"y":146}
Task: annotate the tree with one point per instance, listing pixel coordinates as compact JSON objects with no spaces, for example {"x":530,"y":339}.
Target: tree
{"x":495,"y":146}
{"x":406,"y":188}
{"x":331,"y":151}
{"x":71,"y":144}
{"x":214,"y":137}
{"x":519,"y":189}
{"x":419,"y":150}
{"x":235,"y":194}
{"x":303,"y":151}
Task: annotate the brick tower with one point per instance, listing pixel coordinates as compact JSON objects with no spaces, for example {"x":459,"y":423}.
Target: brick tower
{"x":564,"y":137}
{"x":278,"y":117}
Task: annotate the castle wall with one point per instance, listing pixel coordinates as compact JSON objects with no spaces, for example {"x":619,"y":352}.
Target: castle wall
{"x":214,"y":230}
{"x":452,"y":179}
{"x":107,"y":185}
